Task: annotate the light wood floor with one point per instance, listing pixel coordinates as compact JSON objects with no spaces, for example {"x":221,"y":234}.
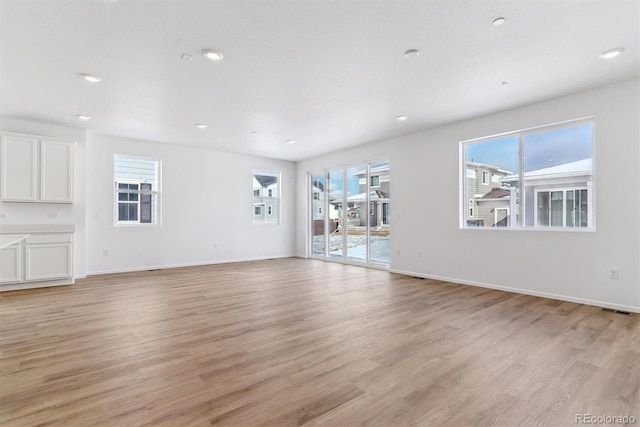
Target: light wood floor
{"x":293,"y":342}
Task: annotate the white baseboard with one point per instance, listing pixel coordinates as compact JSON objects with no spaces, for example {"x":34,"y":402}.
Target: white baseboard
{"x":619,"y":307}
{"x":192,"y":264}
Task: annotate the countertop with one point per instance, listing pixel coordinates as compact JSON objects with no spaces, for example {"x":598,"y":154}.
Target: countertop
{"x":10,"y":239}
{"x":36,"y":228}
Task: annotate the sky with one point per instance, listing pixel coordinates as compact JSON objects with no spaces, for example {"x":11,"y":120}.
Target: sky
{"x":353,"y":185}
{"x":541,"y":149}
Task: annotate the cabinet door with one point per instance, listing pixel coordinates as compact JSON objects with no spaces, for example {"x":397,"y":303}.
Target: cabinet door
{"x":48,"y":261}
{"x":11,"y":264}
{"x":56,"y":171}
{"x":18,"y":168}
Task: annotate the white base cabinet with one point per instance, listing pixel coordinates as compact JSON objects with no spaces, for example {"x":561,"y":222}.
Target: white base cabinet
{"x":11,"y":264}
{"x":40,"y":260}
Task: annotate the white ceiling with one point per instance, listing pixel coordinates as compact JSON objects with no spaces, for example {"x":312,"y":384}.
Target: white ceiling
{"x":327,"y":73}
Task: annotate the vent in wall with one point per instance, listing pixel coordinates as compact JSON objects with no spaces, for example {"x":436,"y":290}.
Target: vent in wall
{"x":626,"y":313}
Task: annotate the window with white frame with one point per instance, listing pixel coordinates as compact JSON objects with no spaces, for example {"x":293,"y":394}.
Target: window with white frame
{"x":137,"y":190}
{"x":375,"y":181}
{"x":539,"y":178}
{"x":266,"y":197}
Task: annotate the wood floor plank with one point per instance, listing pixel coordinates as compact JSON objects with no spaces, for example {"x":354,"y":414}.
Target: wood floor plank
{"x":304,"y":342}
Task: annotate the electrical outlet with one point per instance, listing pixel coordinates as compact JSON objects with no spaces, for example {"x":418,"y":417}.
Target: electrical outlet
{"x":105,"y":252}
{"x":613,"y":274}
{"x":54,"y":215}
{"x":398,"y":252}
{"x":215,"y":246}
{"x":419,"y":254}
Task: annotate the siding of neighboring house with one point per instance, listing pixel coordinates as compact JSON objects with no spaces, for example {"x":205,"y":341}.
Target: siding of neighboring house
{"x":476,"y":189}
{"x":486,"y":210}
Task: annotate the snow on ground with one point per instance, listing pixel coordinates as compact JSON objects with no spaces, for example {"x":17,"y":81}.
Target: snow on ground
{"x":356,"y":247}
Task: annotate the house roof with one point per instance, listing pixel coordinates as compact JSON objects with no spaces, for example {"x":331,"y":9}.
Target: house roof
{"x":488,"y":166}
{"x":570,"y":168}
{"x":266,"y":180}
{"x":374,"y":195}
{"x":496,"y":193}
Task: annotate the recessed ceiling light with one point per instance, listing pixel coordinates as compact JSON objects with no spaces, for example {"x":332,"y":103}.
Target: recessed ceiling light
{"x":498,"y":21}
{"x":504,"y":83}
{"x":401,"y":118}
{"x":611,"y":53}
{"x":213,"y":55}
{"x":291,"y":141}
{"x":412,"y":53}
{"x":186,"y":57}
{"x":91,"y":78}
{"x":254,"y":133}
{"x":201,"y":125}
{"x":83,"y":117}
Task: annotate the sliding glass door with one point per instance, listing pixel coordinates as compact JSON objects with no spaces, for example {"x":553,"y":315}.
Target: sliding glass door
{"x":350,"y":213}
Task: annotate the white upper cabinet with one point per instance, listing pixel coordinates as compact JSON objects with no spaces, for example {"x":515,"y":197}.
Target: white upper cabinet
{"x":34,"y":169}
{"x":56,"y":171}
{"x":19,"y":164}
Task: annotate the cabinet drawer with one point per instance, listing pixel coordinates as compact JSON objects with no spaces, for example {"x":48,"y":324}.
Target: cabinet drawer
{"x":49,"y":238}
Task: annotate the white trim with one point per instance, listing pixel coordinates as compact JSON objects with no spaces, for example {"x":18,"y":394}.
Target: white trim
{"x":531,"y":129}
{"x":559,"y":297}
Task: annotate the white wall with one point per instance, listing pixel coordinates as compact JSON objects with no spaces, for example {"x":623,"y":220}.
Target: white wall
{"x":566,"y":265}
{"x":207,"y":200}
{"x":38,"y":213}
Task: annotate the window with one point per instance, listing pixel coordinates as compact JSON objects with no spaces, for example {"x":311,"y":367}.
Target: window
{"x":350,"y":213}
{"x":562,"y":208}
{"x":137,"y":190}
{"x":266,"y":208}
{"x":540,"y":177}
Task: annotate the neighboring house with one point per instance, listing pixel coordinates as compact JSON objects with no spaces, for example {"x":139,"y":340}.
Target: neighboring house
{"x":378,"y":212}
{"x":558,"y":196}
{"x":320,"y":211}
{"x":488,"y":196}
{"x":318,"y":202}
{"x":493,"y":208}
{"x":265,"y":198}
